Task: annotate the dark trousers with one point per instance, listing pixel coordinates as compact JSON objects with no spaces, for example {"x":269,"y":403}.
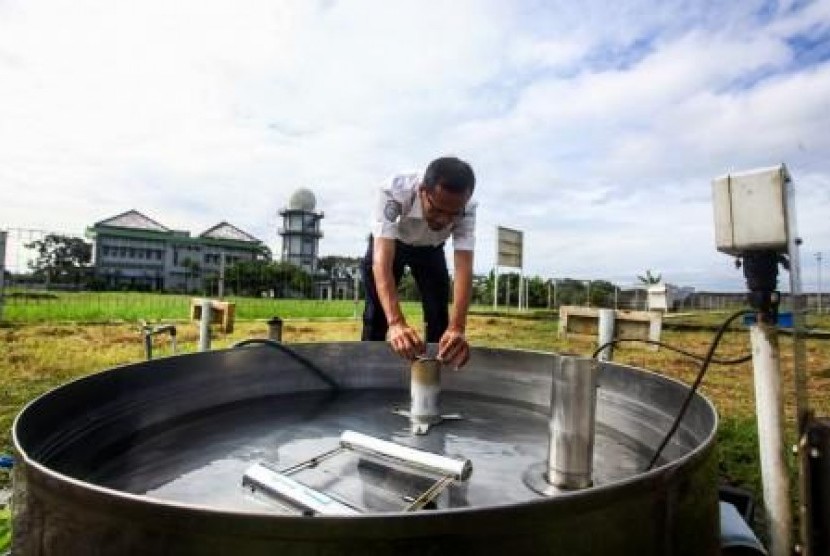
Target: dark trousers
{"x":429,"y":269}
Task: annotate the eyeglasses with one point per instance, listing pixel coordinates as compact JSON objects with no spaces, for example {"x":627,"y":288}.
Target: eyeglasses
{"x":433,"y":208}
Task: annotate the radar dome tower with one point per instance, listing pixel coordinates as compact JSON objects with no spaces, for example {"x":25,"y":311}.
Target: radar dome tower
{"x":300,"y":230}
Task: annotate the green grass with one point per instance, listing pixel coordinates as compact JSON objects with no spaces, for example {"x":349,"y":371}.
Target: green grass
{"x":39,"y":307}
{"x":738,"y":452}
{"x":5,"y":530}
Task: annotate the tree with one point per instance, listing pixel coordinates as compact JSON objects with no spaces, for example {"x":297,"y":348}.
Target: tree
{"x":250,"y":277}
{"x":332,"y":262}
{"x":254,"y":277}
{"x":60,"y":258}
{"x":408,"y":288}
{"x":292,"y":281}
{"x":263,"y":253}
{"x":602,"y":293}
{"x":649,"y":278}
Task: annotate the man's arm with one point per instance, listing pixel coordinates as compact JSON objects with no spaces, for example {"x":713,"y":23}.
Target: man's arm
{"x":453,"y":348}
{"x":462,"y":289}
{"x":403,"y":338}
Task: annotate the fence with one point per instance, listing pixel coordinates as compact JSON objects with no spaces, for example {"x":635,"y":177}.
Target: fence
{"x":25,"y":292}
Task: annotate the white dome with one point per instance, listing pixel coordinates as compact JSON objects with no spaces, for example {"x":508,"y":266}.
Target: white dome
{"x":302,"y":199}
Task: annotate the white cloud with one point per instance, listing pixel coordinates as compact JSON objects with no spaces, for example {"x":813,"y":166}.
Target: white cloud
{"x":595,"y":127}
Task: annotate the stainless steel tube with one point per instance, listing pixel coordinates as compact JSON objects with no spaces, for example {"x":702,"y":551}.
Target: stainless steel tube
{"x":204,"y":326}
{"x":425,"y":391}
{"x":275,"y":329}
{"x":606,"y":334}
{"x":458,"y":469}
{"x":769,"y":406}
{"x":572,"y":419}
{"x":260,"y":476}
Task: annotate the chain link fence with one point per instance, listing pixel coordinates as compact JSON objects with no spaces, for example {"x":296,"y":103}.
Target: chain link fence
{"x":41,"y":268}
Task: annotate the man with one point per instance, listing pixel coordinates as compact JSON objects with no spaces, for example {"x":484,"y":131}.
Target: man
{"x":413,"y":218}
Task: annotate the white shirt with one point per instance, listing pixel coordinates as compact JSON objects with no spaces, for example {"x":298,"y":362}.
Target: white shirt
{"x":398,"y":215}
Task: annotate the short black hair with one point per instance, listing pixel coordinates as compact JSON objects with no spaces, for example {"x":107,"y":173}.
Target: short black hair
{"x":452,"y":174}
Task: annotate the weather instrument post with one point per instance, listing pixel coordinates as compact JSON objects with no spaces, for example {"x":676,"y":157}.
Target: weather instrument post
{"x":755,"y":222}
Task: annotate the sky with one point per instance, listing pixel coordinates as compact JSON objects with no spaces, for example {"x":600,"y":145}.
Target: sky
{"x":596,"y":128}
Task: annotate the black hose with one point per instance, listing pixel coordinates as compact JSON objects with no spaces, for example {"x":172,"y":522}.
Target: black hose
{"x":293,"y":354}
{"x":704,"y":366}
{"x":691,"y":355}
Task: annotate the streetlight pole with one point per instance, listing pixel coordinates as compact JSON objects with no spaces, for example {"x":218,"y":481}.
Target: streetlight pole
{"x":818,"y":282}
{"x":548,"y":294}
{"x":554,"y":294}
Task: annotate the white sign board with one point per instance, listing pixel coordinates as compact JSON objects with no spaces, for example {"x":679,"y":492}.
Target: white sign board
{"x":509,"y":247}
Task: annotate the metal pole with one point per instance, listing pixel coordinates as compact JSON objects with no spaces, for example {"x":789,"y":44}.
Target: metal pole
{"x":549,"y":282}
{"x":507,"y":291}
{"x":148,"y":342}
{"x":356,"y":292}
{"x":495,"y":288}
{"x":3,"y":236}
{"x":606,"y":334}
{"x":221,"y":292}
{"x":769,"y":407}
{"x":520,"y":292}
{"x":459,"y":469}
{"x":425,"y":393}
{"x":588,"y":299}
{"x":275,"y":329}
{"x":554,"y":293}
{"x":496,"y":274}
{"x":204,"y":326}
{"x":818,"y":283}
{"x":572,"y":419}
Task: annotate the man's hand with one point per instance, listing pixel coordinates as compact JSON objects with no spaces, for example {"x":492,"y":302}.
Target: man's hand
{"x":405,"y":341}
{"x":453,"y":348}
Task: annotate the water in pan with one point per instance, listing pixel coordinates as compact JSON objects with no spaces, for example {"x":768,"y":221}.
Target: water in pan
{"x":201,"y":460}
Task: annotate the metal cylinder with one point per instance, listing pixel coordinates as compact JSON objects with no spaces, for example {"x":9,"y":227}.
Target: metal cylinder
{"x":458,"y":469}
{"x":606,"y":334}
{"x":204,"y":326}
{"x":67,"y":503}
{"x":572,"y":418}
{"x":769,"y":406}
{"x":425,"y":391}
{"x":275,"y":329}
{"x":148,"y":343}
{"x":173,"y":339}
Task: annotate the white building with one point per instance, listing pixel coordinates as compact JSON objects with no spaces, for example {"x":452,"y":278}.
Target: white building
{"x":133,"y":251}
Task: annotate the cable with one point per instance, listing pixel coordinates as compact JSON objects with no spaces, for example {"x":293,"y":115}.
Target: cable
{"x":694,"y":356}
{"x":708,"y":359}
{"x":285,"y":349}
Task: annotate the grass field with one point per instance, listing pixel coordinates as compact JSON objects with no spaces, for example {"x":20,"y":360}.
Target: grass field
{"x":49,"y":343}
{"x":51,"y":307}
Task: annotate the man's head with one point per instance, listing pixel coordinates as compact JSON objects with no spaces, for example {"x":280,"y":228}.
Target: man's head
{"x":447,"y":186}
